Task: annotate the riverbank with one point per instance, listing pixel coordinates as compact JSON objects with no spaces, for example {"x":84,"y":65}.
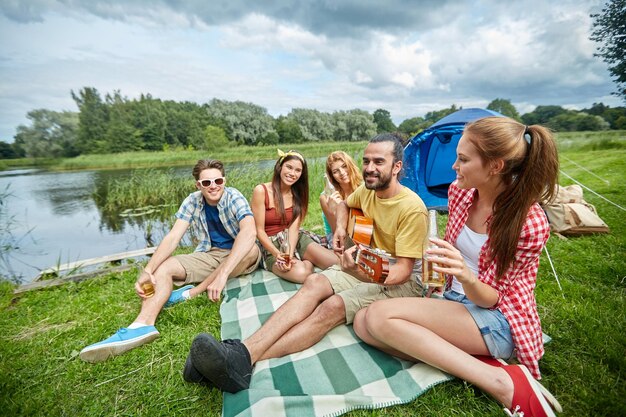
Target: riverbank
{"x":584,"y":366}
{"x":181,"y":157}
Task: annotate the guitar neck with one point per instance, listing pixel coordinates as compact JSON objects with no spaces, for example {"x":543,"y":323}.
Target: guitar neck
{"x":375,"y":263}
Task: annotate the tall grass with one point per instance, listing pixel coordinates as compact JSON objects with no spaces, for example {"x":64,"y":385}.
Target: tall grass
{"x":42,"y":332}
{"x":27,"y":162}
{"x":186,"y":157}
{"x":591,"y":141}
{"x":158,"y":188}
{"x":143,"y":188}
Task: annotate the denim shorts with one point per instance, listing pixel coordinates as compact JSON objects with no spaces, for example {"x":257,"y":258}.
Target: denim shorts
{"x":492,"y":324}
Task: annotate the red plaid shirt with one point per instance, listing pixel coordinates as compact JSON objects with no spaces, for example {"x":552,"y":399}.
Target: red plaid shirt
{"x":516,"y":299}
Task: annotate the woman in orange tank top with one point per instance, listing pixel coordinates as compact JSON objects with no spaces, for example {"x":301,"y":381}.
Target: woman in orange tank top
{"x":282,"y":205}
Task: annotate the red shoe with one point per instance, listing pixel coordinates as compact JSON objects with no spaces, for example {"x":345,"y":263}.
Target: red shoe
{"x":491,"y":361}
{"x":527,"y":399}
{"x":544,"y":391}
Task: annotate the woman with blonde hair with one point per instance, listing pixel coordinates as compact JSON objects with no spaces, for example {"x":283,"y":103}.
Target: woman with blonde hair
{"x":282,"y":205}
{"x":345,"y":177}
{"x":495,"y":234}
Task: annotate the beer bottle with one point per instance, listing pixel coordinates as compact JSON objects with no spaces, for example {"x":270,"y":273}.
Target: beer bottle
{"x":285,"y":248}
{"x":329,"y":189}
{"x":429,"y":276}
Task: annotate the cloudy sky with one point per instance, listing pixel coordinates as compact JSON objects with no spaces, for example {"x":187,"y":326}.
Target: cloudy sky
{"x":408,"y":57}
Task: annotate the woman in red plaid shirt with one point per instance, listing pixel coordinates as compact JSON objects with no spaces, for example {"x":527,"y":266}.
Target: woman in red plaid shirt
{"x":494,"y":237}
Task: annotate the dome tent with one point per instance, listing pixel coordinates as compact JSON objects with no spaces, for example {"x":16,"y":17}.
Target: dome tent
{"x":429,"y":155}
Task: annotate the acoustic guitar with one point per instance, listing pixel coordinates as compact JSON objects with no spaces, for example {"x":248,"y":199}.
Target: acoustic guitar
{"x":374,"y":263}
{"x":360,"y":228}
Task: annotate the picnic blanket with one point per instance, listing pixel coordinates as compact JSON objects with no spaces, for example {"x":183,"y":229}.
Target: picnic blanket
{"x":337,"y":375}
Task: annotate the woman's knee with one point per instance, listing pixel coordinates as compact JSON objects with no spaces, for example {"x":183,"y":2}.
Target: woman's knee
{"x":301,"y":270}
{"x":308,"y":267}
{"x":375,"y":317}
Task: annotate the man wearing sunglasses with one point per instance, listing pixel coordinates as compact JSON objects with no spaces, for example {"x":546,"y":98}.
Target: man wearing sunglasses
{"x":222,"y":221}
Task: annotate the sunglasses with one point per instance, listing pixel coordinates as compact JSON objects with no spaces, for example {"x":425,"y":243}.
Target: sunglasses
{"x":209,"y":182}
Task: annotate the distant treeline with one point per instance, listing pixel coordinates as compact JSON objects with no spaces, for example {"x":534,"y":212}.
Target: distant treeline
{"x":114,"y":123}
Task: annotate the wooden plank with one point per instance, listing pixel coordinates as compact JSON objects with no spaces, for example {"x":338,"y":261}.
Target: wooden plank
{"x":95,"y":261}
{"x":75,"y":278}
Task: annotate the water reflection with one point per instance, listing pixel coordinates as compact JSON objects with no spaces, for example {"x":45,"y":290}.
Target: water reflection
{"x":54,"y":219}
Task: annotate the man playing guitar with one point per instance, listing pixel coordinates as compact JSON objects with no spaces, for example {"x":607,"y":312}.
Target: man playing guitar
{"x":334,"y":296}
{"x":398,"y":229}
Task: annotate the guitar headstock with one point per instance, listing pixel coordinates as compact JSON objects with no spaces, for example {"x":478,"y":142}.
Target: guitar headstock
{"x":373,"y":262}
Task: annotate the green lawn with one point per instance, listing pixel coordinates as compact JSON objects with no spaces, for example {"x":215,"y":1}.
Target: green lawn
{"x":42,"y":332}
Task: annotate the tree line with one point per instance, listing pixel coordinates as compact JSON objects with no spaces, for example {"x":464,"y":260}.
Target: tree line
{"x":113,"y":123}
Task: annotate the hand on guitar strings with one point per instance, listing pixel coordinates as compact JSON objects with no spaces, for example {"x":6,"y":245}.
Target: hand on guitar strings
{"x":347,"y":260}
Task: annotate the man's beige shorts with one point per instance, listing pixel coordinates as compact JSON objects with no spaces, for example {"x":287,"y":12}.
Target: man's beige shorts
{"x":358,"y":294}
{"x":199,"y":265}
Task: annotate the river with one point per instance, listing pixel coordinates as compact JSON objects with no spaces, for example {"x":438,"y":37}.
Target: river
{"x":51,"y":218}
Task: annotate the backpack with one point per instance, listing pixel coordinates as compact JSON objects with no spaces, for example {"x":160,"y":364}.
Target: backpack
{"x":569,"y":214}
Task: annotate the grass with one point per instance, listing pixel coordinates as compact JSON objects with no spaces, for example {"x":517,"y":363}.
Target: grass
{"x":185,"y":157}
{"x":27,"y":163}
{"x":42,"y":332}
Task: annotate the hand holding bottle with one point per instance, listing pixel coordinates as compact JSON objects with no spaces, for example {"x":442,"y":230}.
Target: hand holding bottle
{"x":448,"y":260}
{"x":432,"y":277}
{"x":284,"y":258}
{"x":329,"y":188}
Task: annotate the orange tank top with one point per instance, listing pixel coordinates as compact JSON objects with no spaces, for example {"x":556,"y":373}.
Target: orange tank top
{"x":273,"y":222}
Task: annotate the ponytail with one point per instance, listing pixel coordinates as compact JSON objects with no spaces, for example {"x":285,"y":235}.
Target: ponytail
{"x":529,"y":175}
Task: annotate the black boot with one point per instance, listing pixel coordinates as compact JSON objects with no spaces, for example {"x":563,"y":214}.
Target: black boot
{"x":226,"y":364}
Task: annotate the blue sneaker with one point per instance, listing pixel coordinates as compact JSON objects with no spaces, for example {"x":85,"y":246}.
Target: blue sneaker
{"x":177,"y":296}
{"x":122,"y":341}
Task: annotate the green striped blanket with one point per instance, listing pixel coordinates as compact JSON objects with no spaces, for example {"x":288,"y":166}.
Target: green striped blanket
{"x":338,"y":374}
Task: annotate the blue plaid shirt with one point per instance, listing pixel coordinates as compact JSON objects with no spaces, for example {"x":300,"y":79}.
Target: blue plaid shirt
{"x":232,"y":208}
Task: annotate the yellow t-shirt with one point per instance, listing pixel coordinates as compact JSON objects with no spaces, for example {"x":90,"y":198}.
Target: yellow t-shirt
{"x":400,"y":222}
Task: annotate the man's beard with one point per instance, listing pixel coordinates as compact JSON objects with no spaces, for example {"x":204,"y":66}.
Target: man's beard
{"x":382,"y":183}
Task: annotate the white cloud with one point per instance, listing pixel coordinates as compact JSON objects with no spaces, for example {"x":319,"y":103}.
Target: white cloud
{"x":335,"y":55}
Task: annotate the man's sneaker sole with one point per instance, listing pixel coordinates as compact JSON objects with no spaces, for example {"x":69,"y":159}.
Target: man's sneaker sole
{"x":214,"y":361}
{"x":191,"y":374}
{"x":100,"y":353}
{"x":206,"y":355}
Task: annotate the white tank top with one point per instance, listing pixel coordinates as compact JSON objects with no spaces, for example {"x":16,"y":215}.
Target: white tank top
{"x":468,"y":243}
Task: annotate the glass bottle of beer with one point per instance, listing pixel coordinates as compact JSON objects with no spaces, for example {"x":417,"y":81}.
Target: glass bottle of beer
{"x":329,"y":189}
{"x":429,"y":276}
{"x":285,"y":248}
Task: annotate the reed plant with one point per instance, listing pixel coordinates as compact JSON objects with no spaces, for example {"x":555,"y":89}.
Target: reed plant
{"x":180,"y":157}
{"x":164,"y":191}
{"x":143,"y":188}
